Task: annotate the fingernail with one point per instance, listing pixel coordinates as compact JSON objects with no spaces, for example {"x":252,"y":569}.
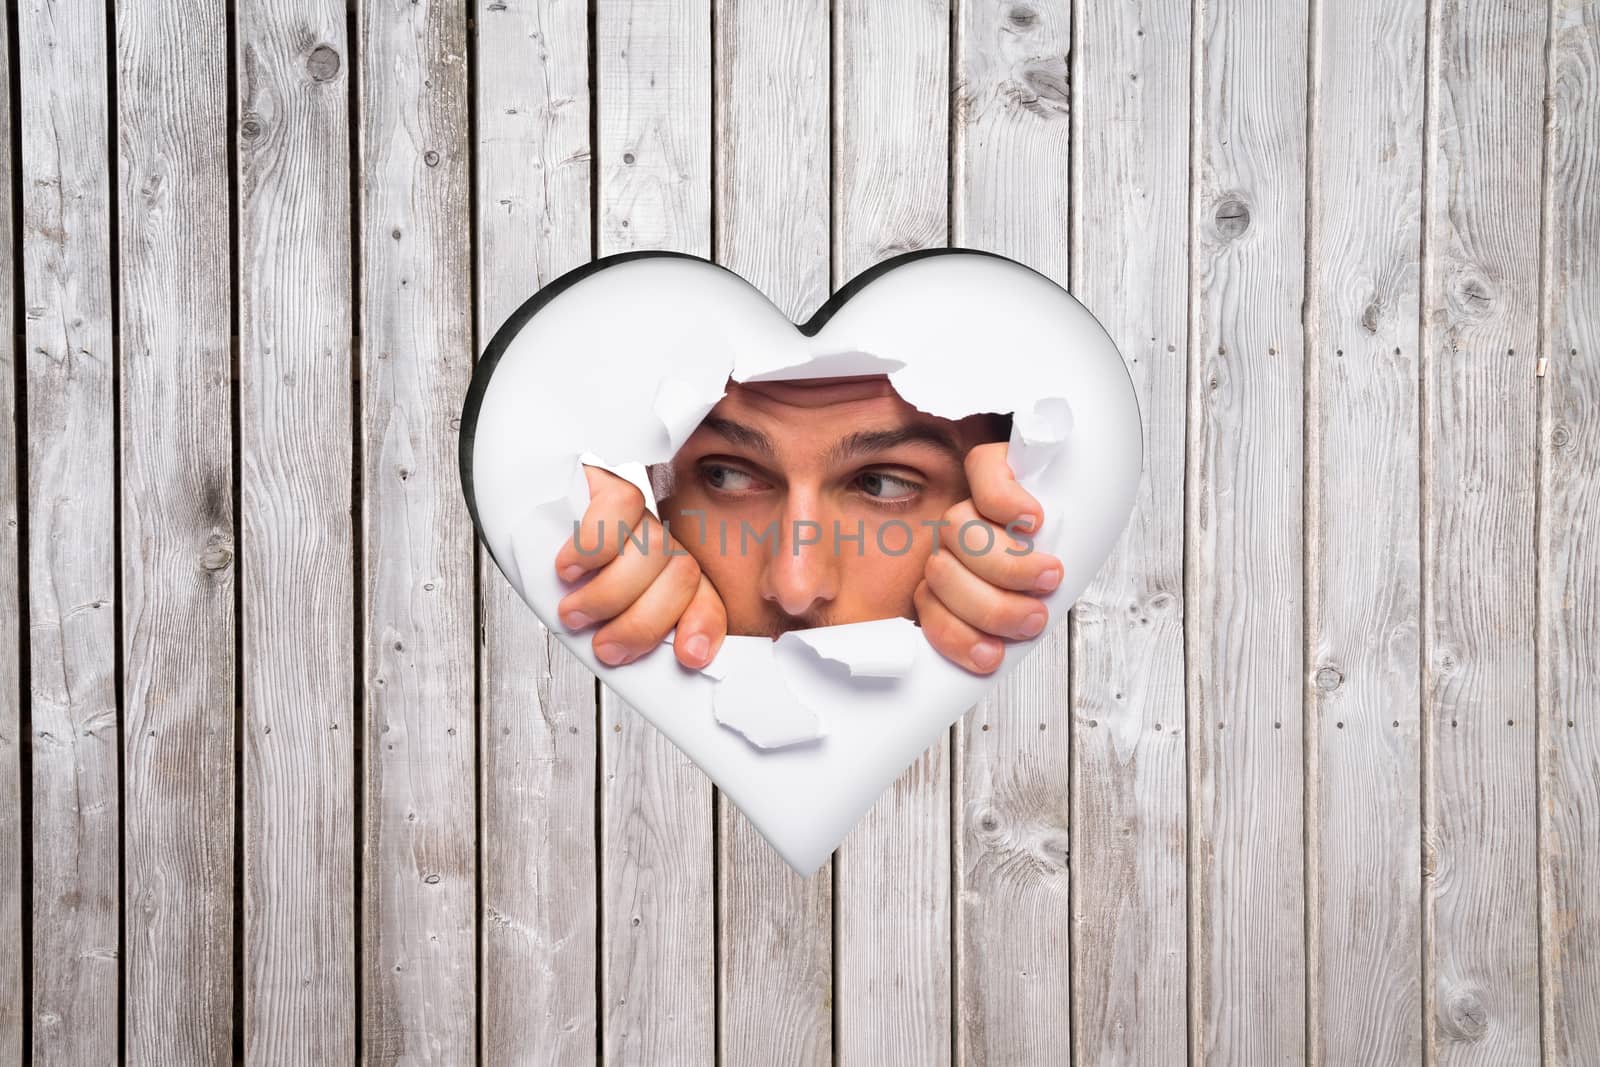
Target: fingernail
{"x":1027,"y":522}
{"x":576,"y":620}
{"x":610,"y":653}
{"x":1047,"y":580}
{"x":1033,"y":624}
{"x":571,"y":572}
{"x":698,"y":647}
{"x":986,"y":654}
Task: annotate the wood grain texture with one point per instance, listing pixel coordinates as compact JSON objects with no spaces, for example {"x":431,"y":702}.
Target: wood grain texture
{"x":1363,"y":599}
{"x":771,"y":138}
{"x":1012,"y":912}
{"x":1569,"y":579}
{"x":1244,"y":615}
{"x":12,"y":958}
{"x":658,"y":918}
{"x":892,"y":874}
{"x":1480,"y":307}
{"x":537,"y":741}
{"x":72,"y":647}
{"x":1130,"y":267}
{"x":1010,"y":152}
{"x":296,"y":444}
{"x":178,"y":536}
{"x":419,"y":877}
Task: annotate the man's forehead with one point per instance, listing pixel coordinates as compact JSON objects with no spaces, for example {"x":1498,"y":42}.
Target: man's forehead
{"x":813,"y":393}
{"x":766,"y":415}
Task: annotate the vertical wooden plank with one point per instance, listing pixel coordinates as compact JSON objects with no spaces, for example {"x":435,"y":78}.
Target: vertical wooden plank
{"x":653,"y":89}
{"x":1244,"y":619}
{"x":1569,"y":579}
{"x":12,"y":1008}
{"x":1010,"y":152}
{"x":1363,"y":597}
{"x":1479,"y":484}
{"x":537,"y":821}
{"x":295,"y":516}
{"x":1362,"y":593}
{"x":72,"y":648}
{"x":892,"y":874}
{"x":1129,"y":802}
{"x":419,"y":879}
{"x":177,"y":529}
{"x":772,"y":137}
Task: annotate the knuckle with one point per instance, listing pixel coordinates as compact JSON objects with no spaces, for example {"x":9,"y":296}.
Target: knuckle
{"x":683,"y":572}
{"x":975,"y":459}
{"x":996,"y":615}
{"x":941,"y":568}
{"x":631,"y":631}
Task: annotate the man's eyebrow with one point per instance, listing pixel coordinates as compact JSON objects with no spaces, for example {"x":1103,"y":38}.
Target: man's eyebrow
{"x":740,"y":434}
{"x":867,"y":442}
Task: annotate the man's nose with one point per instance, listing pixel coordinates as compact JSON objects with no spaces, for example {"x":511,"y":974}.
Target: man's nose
{"x":804,"y":573}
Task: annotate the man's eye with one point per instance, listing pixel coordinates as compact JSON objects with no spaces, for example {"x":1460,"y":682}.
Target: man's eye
{"x":887,"y":487}
{"x":728,"y":479}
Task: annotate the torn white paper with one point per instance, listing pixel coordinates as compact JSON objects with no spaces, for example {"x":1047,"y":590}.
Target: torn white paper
{"x":680,"y":407}
{"x":883,"y":648}
{"x":750,"y":700}
{"x":1038,"y":436}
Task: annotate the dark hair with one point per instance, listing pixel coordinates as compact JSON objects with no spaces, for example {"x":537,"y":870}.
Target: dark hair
{"x":996,"y":426}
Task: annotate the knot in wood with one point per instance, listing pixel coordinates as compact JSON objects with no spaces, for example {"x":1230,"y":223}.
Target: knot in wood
{"x":1022,"y":16}
{"x":1465,"y":1017}
{"x":1473,"y":295}
{"x":1329,"y":679}
{"x":323,"y":63}
{"x":216,"y":557}
{"x":1232,"y":218}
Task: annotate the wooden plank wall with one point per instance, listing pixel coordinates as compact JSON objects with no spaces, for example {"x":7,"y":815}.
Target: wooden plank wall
{"x":289,"y":775}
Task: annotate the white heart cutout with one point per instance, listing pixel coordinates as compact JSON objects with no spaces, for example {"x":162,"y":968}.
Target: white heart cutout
{"x":621,"y":358}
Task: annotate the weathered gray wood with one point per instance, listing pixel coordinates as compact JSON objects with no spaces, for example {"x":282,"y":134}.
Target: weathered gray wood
{"x":177,"y":530}
{"x":1569,"y":580}
{"x":1130,"y":267}
{"x":296,"y":442}
{"x":1013,"y":915}
{"x":72,"y":648}
{"x":892,"y":874}
{"x":12,"y":1008}
{"x":537,"y":820}
{"x":1480,"y":307}
{"x":653,"y":86}
{"x":1009,"y":154}
{"x":771,"y":133}
{"x":1243,"y":532}
{"x":419,"y":877}
{"x":1363,"y":601}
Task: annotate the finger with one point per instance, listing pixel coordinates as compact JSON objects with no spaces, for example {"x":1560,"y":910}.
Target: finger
{"x":701,"y":627}
{"x":994,"y":555}
{"x":952,"y":638}
{"x":622,"y":581}
{"x":645,"y":623}
{"x":983,"y":606}
{"x":995,"y":491}
{"x":613,"y":503}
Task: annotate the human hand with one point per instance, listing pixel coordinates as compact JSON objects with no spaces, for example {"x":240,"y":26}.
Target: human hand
{"x":977,"y":583}
{"x":637,"y":594}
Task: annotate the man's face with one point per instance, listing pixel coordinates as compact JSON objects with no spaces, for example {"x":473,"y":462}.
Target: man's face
{"x":772,"y":490}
